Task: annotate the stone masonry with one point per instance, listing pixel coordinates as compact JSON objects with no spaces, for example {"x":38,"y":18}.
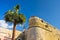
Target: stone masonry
{"x":41,"y":30}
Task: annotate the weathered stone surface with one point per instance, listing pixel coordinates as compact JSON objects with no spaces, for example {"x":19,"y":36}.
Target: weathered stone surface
{"x":41,"y":30}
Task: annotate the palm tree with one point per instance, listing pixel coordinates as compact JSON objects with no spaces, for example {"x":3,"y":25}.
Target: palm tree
{"x":15,"y":17}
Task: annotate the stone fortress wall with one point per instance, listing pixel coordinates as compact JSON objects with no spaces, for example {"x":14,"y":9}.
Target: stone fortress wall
{"x":41,"y":30}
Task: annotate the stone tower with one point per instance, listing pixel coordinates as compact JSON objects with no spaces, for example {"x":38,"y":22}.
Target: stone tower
{"x":41,"y":30}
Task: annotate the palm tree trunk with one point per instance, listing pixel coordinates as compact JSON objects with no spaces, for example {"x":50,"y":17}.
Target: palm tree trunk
{"x":14,"y":29}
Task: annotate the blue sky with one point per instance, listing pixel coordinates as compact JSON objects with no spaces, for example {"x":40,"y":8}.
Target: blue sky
{"x":48,"y":10}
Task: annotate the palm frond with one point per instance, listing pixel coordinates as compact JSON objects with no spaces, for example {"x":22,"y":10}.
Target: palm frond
{"x":22,"y":18}
{"x":11,"y":16}
{"x":8,"y":16}
{"x":17,"y":7}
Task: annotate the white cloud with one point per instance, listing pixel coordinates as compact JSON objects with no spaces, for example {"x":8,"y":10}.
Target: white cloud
{"x":4,"y":24}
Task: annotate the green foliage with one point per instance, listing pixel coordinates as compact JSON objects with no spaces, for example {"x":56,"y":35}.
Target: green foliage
{"x":17,"y":7}
{"x":22,"y":17}
{"x":11,"y":16}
